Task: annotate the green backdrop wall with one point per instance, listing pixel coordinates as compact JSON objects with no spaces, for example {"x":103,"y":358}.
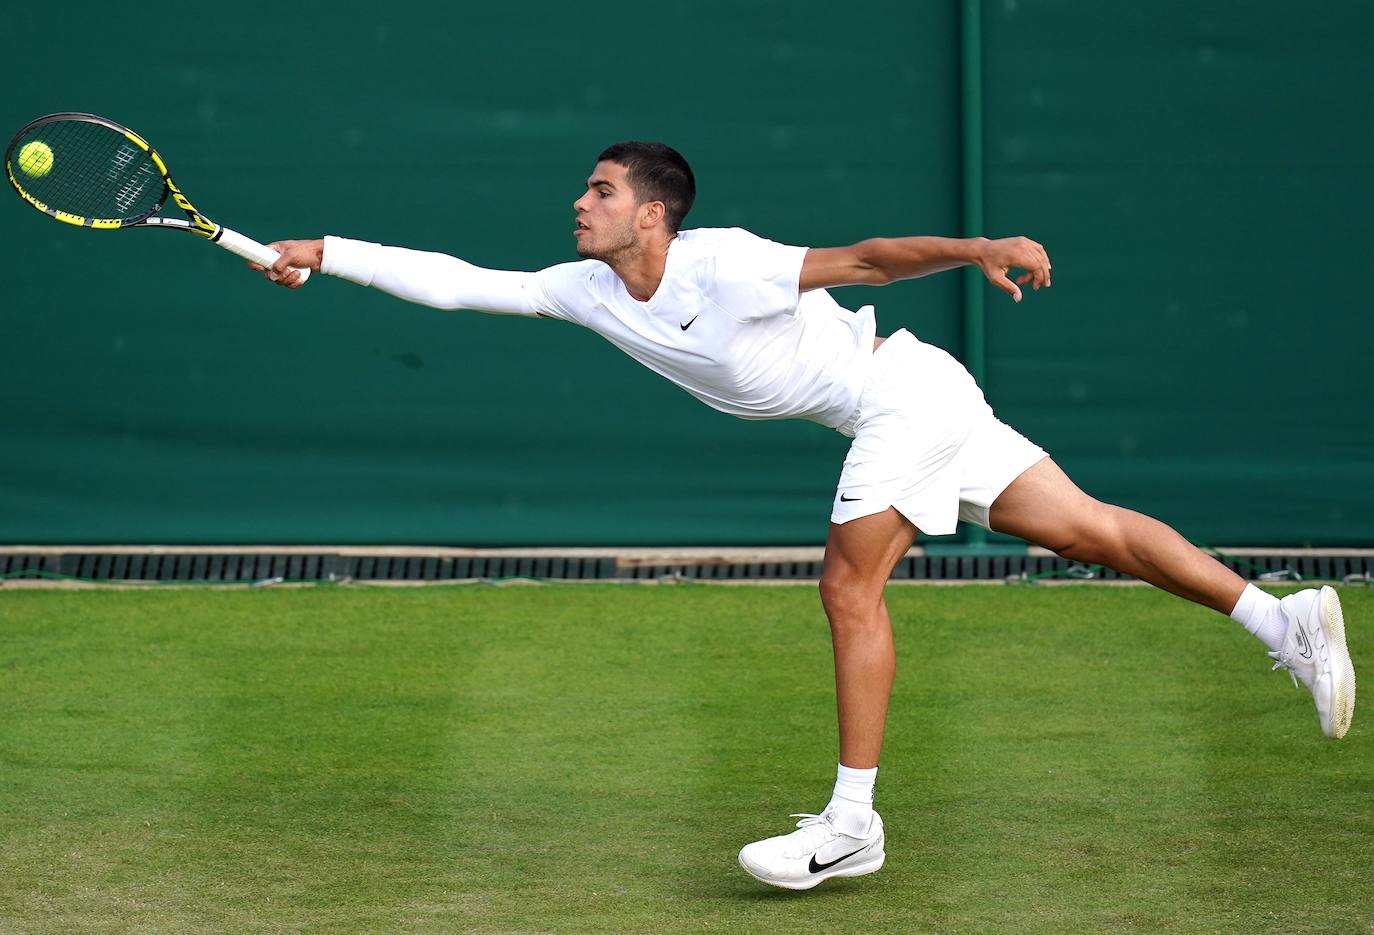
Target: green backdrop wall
{"x":1200,"y":173}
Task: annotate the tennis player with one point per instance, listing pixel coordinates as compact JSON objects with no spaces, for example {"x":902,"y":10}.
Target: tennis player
{"x":746,"y":326}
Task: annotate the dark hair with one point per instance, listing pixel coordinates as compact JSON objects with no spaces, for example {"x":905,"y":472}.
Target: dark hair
{"x":657,"y":173}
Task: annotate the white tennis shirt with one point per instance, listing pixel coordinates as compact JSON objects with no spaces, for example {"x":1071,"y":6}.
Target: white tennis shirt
{"x":727,"y":324}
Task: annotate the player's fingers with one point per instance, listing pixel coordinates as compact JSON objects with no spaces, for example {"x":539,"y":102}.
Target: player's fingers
{"x":1000,"y":280}
{"x":1032,"y":248}
{"x":1037,"y":272}
{"x":1044,"y":263}
{"x":289,"y":251}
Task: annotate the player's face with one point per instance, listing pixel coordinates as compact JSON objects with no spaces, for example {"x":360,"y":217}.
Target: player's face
{"x":606,"y":213}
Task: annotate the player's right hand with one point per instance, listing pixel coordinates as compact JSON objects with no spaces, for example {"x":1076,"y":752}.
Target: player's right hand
{"x":301,"y":254}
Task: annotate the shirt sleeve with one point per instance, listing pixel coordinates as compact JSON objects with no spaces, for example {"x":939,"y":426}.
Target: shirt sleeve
{"x":567,"y":290}
{"x":436,"y":279}
{"x":755,"y":277}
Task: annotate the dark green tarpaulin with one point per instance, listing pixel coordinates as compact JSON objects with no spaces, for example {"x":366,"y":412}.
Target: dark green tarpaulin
{"x":1200,"y":174}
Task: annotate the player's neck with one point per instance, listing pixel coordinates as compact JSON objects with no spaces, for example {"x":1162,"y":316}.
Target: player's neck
{"x":641,"y":268}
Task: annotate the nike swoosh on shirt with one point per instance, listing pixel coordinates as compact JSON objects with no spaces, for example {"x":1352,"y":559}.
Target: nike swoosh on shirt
{"x":844,"y":499}
{"x":687,"y":325}
{"x":817,"y":868}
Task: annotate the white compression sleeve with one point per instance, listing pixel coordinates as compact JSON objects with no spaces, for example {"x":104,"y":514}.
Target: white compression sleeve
{"x":433,"y":279}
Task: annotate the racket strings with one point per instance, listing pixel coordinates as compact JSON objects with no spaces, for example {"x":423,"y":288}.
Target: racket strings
{"x":94,"y":171}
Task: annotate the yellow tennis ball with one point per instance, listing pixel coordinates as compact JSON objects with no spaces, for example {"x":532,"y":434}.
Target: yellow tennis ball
{"x":35,"y":158}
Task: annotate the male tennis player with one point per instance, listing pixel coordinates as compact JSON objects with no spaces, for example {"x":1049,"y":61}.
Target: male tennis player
{"x":746,"y":326}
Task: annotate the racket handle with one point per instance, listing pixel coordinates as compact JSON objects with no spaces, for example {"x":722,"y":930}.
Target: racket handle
{"x":250,"y":249}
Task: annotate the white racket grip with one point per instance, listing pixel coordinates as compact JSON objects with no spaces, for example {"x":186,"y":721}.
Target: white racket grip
{"x":250,"y":249}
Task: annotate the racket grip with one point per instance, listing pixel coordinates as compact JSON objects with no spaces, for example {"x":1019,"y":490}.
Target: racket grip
{"x":250,"y":249}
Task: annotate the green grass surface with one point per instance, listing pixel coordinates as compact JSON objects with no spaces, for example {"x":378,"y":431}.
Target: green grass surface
{"x":591,"y":758}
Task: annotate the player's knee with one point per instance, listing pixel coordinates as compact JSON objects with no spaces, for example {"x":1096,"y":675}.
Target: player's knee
{"x":848,"y":595}
{"x":832,"y":587}
{"x":1084,"y":550}
{"x":1095,"y":539}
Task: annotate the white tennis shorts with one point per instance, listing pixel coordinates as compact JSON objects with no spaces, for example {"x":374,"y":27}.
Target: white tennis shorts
{"x":926,"y":442}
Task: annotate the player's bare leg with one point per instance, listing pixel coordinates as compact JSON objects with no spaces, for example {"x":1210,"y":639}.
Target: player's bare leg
{"x":847,"y":838}
{"x":1304,"y":631}
{"x":1044,"y":507}
{"x":859,"y":557}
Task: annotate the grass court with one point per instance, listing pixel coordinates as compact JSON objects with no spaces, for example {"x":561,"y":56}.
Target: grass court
{"x":590,"y":758}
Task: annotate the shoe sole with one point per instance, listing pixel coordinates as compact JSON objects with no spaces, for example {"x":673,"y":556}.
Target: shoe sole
{"x":1342,"y":669}
{"x":872,"y":865}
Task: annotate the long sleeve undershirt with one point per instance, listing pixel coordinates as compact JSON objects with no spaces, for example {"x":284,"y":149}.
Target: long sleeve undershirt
{"x":433,"y":279}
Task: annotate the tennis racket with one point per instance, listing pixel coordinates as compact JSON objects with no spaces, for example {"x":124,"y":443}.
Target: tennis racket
{"x":91,"y":172}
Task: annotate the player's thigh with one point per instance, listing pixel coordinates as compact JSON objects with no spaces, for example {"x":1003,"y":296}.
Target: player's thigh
{"x":860,"y":555}
{"x":1045,"y":507}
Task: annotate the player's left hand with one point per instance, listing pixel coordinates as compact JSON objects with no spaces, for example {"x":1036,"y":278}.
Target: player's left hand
{"x":998,"y":257}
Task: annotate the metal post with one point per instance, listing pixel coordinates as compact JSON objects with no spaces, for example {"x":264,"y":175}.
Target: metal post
{"x":971,"y":73}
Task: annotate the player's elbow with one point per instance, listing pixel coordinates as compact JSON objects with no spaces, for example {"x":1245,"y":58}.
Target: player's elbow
{"x":870,"y":264}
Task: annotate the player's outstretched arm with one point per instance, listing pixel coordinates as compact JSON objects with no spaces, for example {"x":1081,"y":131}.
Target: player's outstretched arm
{"x":882,"y":260}
{"x":434,"y":279}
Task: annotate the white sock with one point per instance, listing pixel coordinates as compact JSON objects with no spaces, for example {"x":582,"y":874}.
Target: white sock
{"x":852,"y":801}
{"x":1261,"y":615}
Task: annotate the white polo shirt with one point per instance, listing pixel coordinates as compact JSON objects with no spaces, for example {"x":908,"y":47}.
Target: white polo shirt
{"x":727,"y":323}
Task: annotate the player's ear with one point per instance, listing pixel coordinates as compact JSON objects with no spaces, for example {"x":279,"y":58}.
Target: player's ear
{"x":651,"y":213}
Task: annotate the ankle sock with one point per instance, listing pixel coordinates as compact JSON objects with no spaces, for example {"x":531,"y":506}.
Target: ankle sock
{"x":1261,"y":616}
{"x":852,"y":801}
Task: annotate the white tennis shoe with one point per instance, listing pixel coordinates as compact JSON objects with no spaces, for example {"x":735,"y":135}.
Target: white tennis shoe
{"x":1314,"y":651}
{"x":816,"y":851}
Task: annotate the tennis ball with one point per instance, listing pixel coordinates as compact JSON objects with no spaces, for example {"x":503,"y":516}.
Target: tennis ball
{"x":35,"y":158}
